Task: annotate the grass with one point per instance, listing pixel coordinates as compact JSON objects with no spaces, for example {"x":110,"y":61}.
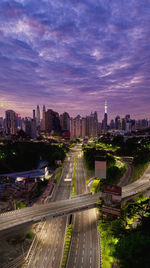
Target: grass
{"x":67,"y":245}
{"x":107,"y":242}
{"x":58,"y":176}
{"x":74,"y":176}
{"x":30,"y":235}
{"x":139,"y":171}
{"x":94,"y":186}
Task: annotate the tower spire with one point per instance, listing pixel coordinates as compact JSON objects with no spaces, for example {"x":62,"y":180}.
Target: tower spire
{"x":105,"y":107}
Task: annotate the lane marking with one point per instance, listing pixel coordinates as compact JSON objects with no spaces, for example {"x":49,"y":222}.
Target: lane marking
{"x":90,"y":260}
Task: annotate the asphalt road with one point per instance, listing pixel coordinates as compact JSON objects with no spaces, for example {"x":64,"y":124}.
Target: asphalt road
{"x":48,"y":249}
{"x":140,"y":185}
{"x":84,"y":249}
{"x":11,"y":220}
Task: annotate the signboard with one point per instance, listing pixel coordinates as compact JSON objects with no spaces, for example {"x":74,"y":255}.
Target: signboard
{"x":100,"y":169}
{"x":111,"y":199}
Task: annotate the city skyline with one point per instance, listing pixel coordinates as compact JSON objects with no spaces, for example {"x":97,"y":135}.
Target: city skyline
{"x":76,"y":55}
{"x":33,"y":114}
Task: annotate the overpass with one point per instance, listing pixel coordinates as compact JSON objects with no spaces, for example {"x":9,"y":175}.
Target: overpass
{"x":36,"y":213}
{"x":51,"y":210}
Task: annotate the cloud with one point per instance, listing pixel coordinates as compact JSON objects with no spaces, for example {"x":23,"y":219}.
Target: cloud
{"x":75,"y":54}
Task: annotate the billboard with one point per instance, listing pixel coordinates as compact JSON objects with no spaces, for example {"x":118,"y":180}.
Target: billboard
{"x":111,"y":199}
{"x":100,"y":169}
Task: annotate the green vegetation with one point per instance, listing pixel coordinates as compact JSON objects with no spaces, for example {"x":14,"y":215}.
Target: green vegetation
{"x":139,"y":170}
{"x":74,"y":176}
{"x":139,"y":149}
{"x":108,"y":149}
{"x":58,"y":175}
{"x":127,"y":238}
{"x":18,"y":204}
{"x":94,"y":186}
{"x":18,"y":156}
{"x":30,"y":235}
{"x":67,"y":244}
{"x":114,"y":171}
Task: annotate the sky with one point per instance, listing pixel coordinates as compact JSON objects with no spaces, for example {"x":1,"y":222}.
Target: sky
{"x":72,"y":55}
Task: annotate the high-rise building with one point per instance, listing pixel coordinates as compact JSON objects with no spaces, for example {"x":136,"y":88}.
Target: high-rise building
{"x":1,"y":126}
{"x":104,"y":121}
{"x":84,"y":126}
{"x":11,"y":127}
{"x":112,"y":124}
{"x":43,"y":118}
{"x":51,"y":122}
{"x":127,"y":117}
{"x":117,"y":122}
{"x":34,"y":115}
{"x":91,"y":125}
{"x":38,"y":117}
{"x":99,"y":128}
{"x":78,"y":127}
{"x":18,"y":121}
{"x":65,"y":121}
{"x":29,"y":127}
{"x":124,"y":122}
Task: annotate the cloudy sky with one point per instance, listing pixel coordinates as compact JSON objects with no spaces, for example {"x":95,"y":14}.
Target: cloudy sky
{"x":72,"y":55}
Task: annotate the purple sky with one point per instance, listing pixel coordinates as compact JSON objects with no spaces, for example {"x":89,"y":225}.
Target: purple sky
{"x":71,"y":55}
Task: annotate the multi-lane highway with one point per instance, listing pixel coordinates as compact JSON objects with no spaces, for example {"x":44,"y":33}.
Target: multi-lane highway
{"x":65,"y":207}
{"x":47,"y":248}
{"x":141,"y":184}
{"x":52,"y":210}
{"x":84,"y":249}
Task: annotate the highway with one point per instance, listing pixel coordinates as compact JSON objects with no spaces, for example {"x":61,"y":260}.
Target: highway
{"x":47,"y":248}
{"x":141,"y":184}
{"x":52,"y":210}
{"x":84,"y":249}
{"x":65,"y":207}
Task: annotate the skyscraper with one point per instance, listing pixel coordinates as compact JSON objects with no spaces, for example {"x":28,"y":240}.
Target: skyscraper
{"x":65,"y":121}
{"x":117,"y":122}
{"x":104,"y":123}
{"x":38,"y":117}
{"x":34,"y":114}
{"x":11,"y":126}
{"x":51,"y":122}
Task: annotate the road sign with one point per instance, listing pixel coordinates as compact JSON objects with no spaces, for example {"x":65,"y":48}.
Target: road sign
{"x":100,"y":169}
{"x":111,"y":199}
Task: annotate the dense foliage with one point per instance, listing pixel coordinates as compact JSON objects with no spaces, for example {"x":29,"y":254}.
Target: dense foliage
{"x":113,"y":172}
{"x":20,"y":156}
{"x":127,"y":238}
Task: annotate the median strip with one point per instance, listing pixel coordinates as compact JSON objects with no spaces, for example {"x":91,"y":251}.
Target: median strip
{"x":74,"y":176}
{"x":67,"y":245}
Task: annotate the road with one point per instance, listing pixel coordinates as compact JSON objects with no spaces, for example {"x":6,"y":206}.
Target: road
{"x":84,"y":249}
{"x":65,"y":207}
{"x":141,"y":184}
{"x":48,"y":248}
{"x":52,"y":210}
